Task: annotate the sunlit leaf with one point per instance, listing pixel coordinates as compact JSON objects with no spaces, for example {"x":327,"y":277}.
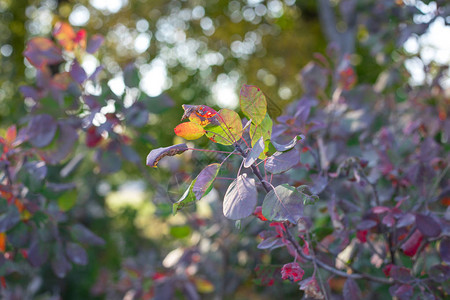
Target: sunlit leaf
{"x":67,"y":38}
{"x":257,"y":149}
{"x":156,"y":154}
{"x":264,"y":130}
{"x":240,"y":198}
{"x":282,"y":161}
{"x":284,"y":203}
{"x":253,"y":103}
{"x":188,"y":198}
{"x":229,"y":130}
{"x":200,"y":114}
{"x":41,"y":52}
{"x":204,"y":180}
{"x":189,"y":130}
{"x":288,"y":146}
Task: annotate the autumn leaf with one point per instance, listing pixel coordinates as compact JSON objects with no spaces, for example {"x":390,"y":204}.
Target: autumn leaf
{"x":67,"y":38}
{"x":156,"y":154}
{"x":189,"y":130}
{"x":200,"y":114}
{"x":253,"y":103}
{"x":229,"y":130}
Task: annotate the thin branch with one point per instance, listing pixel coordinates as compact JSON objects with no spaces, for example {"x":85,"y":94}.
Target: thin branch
{"x":356,"y":275}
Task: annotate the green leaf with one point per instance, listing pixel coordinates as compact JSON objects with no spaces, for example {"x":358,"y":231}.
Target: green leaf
{"x":229,"y":130}
{"x":67,"y":201}
{"x":253,"y":103}
{"x":264,"y":130}
{"x":188,"y":198}
{"x":180,"y":232}
{"x":284,"y":203}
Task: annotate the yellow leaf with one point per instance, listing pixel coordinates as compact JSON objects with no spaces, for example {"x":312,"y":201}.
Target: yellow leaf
{"x":189,"y":130}
{"x":203,"y":286}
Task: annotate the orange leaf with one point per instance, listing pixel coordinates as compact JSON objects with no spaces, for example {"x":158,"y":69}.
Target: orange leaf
{"x":189,"y":130}
{"x":67,"y":37}
{"x":11,"y":135}
{"x":2,"y":242}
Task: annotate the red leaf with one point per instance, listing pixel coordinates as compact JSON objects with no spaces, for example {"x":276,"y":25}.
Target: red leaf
{"x":292,"y":271}
{"x":411,"y":246}
{"x":362,"y":235}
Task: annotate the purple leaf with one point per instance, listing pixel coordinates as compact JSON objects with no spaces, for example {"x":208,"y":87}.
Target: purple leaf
{"x":257,"y":149}
{"x":284,"y":203}
{"x":204,"y":180}
{"x":282,"y":161}
{"x":271,"y":243}
{"x":404,"y":292}
{"x":351,"y":290}
{"x":388,"y":220}
{"x":60,"y":265}
{"x":130,"y":154}
{"x":288,"y":146}
{"x":366,"y":224}
{"x":320,"y":183}
{"x":444,"y":250}
{"x":137,"y":115}
{"x":94,"y":43}
{"x":96,"y":72}
{"x":41,"y":130}
{"x":156,"y":154}
{"x":428,"y":225}
{"x":38,"y":253}
{"x":406,"y":220}
{"x":9,"y":218}
{"x":41,"y":52}
{"x":31,"y":92}
{"x":85,"y":236}
{"x":240,"y":198}
{"x":76,"y":254}
{"x":439,"y":273}
{"x":77,"y":72}
{"x":63,"y":145}
{"x":401,"y":274}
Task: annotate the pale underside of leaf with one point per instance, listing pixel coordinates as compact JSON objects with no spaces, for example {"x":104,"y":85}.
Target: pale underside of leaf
{"x":240,"y":198}
{"x":257,"y":149}
{"x":156,"y":154}
{"x":282,"y":161}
